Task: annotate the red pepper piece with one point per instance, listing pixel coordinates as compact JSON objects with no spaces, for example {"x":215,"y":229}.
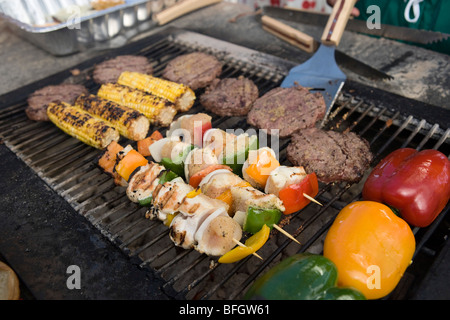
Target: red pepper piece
{"x":417,"y":184}
{"x":292,"y":196}
{"x":199,"y":131}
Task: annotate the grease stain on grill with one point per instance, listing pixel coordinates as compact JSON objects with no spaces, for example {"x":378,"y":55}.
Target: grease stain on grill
{"x":69,"y":167}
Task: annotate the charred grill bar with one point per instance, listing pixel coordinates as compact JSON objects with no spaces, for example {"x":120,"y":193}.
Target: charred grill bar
{"x":69,"y":168}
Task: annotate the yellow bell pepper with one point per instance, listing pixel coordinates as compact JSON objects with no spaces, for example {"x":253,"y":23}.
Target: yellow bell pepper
{"x":169,"y":218}
{"x":371,"y":248}
{"x":227,"y":197}
{"x":129,"y":163}
{"x":194,"y":193}
{"x":252,"y":244}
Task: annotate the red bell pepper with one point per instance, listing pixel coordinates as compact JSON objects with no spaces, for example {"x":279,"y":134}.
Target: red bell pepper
{"x":292,"y":196}
{"x":417,"y":184}
{"x":199,"y":132}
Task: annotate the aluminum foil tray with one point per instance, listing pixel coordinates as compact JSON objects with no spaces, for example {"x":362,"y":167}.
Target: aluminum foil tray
{"x":63,"y":27}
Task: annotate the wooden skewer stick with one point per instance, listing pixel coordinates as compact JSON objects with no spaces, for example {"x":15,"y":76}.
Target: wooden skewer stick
{"x":243,"y":245}
{"x":285,"y":233}
{"x":312,"y":199}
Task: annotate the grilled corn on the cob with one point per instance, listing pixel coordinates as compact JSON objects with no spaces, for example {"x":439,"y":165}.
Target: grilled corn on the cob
{"x":158,"y":110}
{"x":130,"y":123}
{"x":178,"y":93}
{"x":81,"y":125}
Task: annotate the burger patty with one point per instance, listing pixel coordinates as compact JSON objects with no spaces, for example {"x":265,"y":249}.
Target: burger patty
{"x":230,"y":96}
{"x":195,"y":70}
{"x":282,"y":111}
{"x":109,"y":71}
{"x":39,"y":100}
{"x":333,"y":156}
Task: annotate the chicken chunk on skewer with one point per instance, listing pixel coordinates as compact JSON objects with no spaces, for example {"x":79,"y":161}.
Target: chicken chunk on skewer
{"x":244,"y":197}
{"x":168,"y":197}
{"x":191,"y":214}
{"x":141,"y":184}
{"x":217,"y":234}
{"x":219,"y":181}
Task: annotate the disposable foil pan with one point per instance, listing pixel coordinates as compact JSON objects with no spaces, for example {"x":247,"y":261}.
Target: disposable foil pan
{"x":77,"y":28}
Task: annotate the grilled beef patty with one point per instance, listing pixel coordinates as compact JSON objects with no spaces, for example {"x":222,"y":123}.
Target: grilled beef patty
{"x":39,"y":100}
{"x":333,"y":156}
{"x":230,"y":96}
{"x":195,"y":70}
{"x":109,"y":71}
{"x":288,"y":110}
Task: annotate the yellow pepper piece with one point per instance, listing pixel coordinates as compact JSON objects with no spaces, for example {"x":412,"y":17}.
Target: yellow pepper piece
{"x":243,"y":184}
{"x":227,"y":197}
{"x":253,"y":244}
{"x":169,"y":219}
{"x":194,"y":193}
{"x":129,"y":163}
{"x":260,"y":170}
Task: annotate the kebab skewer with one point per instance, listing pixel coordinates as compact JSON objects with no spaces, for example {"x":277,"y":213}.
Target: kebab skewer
{"x":202,"y":169}
{"x":261,"y":168}
{"x":257,"y":166}
{"x":195,"y":220}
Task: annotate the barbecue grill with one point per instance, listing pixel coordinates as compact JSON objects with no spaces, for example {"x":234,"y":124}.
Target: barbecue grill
{"x":75,"y":188}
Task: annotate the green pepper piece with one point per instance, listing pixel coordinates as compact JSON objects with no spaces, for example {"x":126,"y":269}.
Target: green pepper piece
{"x":179,"y":159}
{"x":236,"y":160}
{"x":257,"y":217}
{"x":178,"y":168}
{"x":146,"y":202}
{"x":166,"y":176}
{"x":303,"y":276}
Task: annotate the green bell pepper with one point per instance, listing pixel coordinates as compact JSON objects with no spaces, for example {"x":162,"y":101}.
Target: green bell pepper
{"x":146,"y":202}
{"x":235,"y":160}
{"x":177,"y":168}
{"x":166,"y":176}
{"x":304,"y":276}
{"x":257,"y":217}
{"x":177,"y":163}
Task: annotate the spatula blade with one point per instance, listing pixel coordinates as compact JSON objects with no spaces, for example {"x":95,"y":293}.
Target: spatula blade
{"x":321,"y":74}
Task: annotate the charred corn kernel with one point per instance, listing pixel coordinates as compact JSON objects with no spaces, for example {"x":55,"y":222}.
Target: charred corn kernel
{"x":81,"y":125}
{"x":156,"y":109}
{"x":130,"y":123}
{"x":178,"y":93}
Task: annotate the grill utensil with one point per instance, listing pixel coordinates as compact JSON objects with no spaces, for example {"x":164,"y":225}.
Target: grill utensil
{"x":320,"y":72}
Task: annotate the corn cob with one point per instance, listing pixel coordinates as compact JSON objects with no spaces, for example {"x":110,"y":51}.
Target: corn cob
{"x":158,"y":110}
{"x":178,"y":93}
{"x":81,"y":125}
{"x":130,"y":123}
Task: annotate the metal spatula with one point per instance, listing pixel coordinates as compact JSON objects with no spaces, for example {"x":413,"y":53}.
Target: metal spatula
{"x":320,"y":72}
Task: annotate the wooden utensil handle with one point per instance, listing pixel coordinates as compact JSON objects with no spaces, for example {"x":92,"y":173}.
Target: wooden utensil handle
{"x":289,"y":34}
{"x":336,"y":23}
{"x":180,"y":9}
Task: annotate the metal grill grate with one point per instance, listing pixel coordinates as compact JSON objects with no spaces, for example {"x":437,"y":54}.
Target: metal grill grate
{"x":69,"y":167}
